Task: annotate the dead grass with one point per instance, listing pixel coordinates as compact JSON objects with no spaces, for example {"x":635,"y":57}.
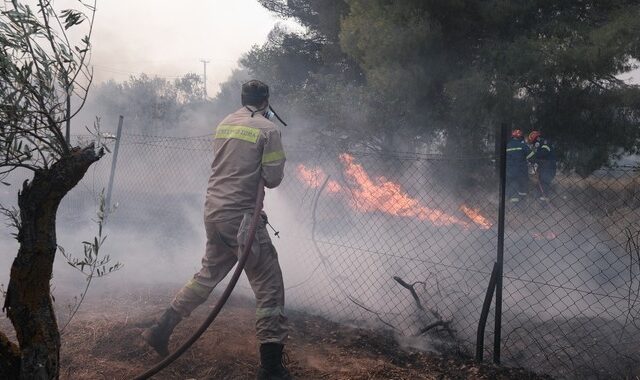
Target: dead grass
{"x":104,"y":343}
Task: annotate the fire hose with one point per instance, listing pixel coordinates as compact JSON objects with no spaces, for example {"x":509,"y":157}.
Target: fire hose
{"x":242,"y":260}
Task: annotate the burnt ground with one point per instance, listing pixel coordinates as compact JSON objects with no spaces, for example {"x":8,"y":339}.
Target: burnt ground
{"x":103,"y":342}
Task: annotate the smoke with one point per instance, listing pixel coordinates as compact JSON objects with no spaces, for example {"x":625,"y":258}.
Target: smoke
{"x":565,"y":269}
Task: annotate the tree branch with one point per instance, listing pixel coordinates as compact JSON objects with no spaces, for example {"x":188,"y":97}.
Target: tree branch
{"x":88,"y":37}
{"x":411,"y":289}
{"x":439,"y":320}
{"x":52,"y":124}
{"x":372,"y":312}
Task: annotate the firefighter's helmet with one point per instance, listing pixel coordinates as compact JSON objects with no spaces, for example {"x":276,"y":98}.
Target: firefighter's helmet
{"x":254,"y":93}
{"x":534,"y":136}
{"x":516,"y":133}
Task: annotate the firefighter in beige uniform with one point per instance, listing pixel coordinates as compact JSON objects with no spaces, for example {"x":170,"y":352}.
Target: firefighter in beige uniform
{"x":247,"y":146}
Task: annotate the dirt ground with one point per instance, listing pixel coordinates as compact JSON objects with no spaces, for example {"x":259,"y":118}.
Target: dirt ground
{"x":103,"y":342}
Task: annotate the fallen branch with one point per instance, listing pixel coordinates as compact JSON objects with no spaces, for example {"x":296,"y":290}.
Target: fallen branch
{"x":324,"y":259}
{"x":372,"y":312}
{"x":445,"y":324}
{"x":411,"y":289}
{"x":440,"y":322}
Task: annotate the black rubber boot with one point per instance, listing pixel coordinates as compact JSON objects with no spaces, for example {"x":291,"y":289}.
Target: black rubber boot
{"x":157,"y":336}
{"x":271,"y":365}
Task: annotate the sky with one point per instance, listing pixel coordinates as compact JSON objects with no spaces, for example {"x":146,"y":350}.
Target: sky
{"x":170,"y":38}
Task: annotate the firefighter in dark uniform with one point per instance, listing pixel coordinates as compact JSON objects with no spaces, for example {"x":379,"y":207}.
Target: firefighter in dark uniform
{"x":544,"y":157}
{"x":517,"y":170}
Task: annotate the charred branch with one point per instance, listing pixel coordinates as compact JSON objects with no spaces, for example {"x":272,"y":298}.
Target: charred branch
{"x":446,"y":325}
{"x":440,"y":322}
{"x":377,"y":314}
{"x":411,"y":289}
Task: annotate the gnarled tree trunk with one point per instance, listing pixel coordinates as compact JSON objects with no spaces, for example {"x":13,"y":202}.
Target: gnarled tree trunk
{"x":28,"y":302}
{"x":9,"y":359}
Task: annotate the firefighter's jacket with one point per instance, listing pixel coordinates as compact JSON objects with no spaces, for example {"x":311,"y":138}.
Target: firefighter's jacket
{"x":544,"y":155}
{"x":246,"y":147}
{"x":517,"y":152}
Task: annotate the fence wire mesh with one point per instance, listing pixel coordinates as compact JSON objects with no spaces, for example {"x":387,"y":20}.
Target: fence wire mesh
{"x":407,"y":242}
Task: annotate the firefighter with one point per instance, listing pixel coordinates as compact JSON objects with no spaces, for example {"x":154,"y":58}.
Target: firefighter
{"x":247,"y":146}
{"x":543,"y":157}
{"x":517,"y":170}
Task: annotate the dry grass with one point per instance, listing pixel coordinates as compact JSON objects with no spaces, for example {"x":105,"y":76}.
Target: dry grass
{"x":104,"y":343}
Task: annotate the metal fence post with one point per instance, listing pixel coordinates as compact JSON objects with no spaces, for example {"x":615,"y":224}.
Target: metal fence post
{"x":482,"y":324}
{"x":353,"y":247}
{"x":114,"y":161}
{"x":500,"y":257}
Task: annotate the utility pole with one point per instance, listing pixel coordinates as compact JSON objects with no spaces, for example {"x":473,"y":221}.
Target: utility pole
{"x":114,"y":160}
{"x":205,"y":77}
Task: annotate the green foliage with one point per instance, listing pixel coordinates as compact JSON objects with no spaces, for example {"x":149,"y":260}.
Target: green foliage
{"x":150,"y":104}
{"x":93,"y":264}
{"x":458,"y":69}
{"x":321,"y":18}
{"x":313,"y":83}
{"x":534,"y":64}
{"x":39,"y":68}
{"x":292,"y":59}
{"x":71,"y":17}
{"x":189,"y":88}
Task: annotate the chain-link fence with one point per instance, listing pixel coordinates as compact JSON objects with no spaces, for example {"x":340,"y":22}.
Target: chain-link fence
{"x":407,"y":242}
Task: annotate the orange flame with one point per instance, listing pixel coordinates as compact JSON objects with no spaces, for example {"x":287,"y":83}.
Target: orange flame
{"x":333,"y":187}
{"x":548,"y":235}
{"x":388,"y":197}
{"x":477,"y":218}
{"x":385,"y":196}
{"x":311,"y":177}
{"x":314,"y":177}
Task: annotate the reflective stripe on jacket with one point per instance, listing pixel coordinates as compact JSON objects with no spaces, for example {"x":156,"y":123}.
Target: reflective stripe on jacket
{"x":245,"y":148}
{"x":545,"y":157}
{"x":517,"y":151}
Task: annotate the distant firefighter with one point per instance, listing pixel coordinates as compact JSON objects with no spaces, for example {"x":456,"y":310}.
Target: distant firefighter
{"x":517,"y":170}
{"x":544,"y":157}
{"x":247,"y":148}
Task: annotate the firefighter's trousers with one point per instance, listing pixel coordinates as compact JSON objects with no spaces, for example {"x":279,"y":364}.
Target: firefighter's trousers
{"x":517,"y":184}
{"x":225,"y":241}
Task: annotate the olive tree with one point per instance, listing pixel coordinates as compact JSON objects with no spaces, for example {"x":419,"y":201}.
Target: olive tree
{"x":42,"y":67}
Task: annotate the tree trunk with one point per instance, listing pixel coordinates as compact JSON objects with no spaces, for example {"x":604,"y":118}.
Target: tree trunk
{"x":28,"y":302}
{"x":9,"y":359}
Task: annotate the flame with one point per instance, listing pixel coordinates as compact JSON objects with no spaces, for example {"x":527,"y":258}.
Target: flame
{"x":384,"y":196}
{"x":389,"y":197}
{"x":477,"y":218}
{"x":548,"y":235}
{"x":314,"y":178}
{"x":311,"y":177}
{"x":333,"y":187}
